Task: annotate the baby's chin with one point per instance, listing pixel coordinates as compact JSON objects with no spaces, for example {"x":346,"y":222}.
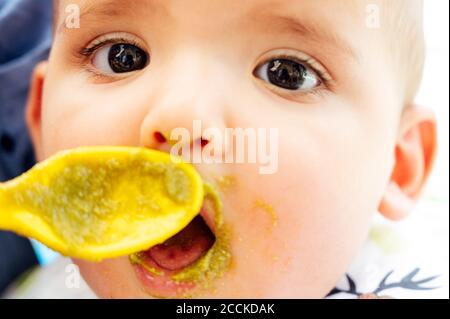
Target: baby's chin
{"x":113,"y":279}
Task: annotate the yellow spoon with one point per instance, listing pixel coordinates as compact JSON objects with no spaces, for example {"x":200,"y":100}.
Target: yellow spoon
{"x":102,"y":202}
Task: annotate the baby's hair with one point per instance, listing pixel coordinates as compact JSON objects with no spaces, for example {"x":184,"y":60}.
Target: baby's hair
{"x":406,"y":42}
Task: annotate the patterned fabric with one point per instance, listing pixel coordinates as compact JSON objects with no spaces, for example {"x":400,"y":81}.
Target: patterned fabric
{"x":408,"y":259}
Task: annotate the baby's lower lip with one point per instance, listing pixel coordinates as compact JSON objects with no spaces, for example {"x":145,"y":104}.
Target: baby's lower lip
{"x":156,"y":266}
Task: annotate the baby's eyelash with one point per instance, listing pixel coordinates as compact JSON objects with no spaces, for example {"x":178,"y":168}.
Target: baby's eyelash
{"x":325,"y":77}
{"x":89,"y":50}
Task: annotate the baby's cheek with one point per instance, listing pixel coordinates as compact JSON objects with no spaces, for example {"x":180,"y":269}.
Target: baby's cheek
{"x":295,"y":232}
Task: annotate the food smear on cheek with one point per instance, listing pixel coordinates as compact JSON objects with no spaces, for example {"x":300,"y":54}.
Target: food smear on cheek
{"x":268,"y":209}
{"x":225,"y":182}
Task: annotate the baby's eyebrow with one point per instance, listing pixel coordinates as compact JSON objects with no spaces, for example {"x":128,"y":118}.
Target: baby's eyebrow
{"x":108,"y":9}
{"x":318,"y":34}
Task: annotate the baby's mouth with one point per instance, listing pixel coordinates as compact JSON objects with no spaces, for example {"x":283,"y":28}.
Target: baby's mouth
{"x":184,"y":248}
{"x":187,"y":260}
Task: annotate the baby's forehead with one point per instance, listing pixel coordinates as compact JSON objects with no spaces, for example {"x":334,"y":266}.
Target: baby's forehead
{"x":318,"y":21}
{"x":336,"y":10}
{"x":246,"y":9}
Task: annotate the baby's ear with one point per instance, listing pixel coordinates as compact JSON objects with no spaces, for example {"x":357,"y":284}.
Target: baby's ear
{"x":34,"y":107}
{"x":414,"y":155}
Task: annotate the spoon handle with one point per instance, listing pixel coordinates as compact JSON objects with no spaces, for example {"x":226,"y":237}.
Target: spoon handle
{"x":5,"y":209}
{"x":15,"y":218}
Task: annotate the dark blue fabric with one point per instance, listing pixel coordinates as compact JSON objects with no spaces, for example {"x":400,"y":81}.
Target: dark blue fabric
{"x":25,"y":37}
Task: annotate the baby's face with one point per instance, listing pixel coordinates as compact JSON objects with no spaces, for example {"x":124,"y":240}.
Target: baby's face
{"x":312,"y":69}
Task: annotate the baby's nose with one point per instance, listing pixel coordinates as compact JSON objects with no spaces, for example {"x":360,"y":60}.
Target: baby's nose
{"x":177,"y":130}
{"x":190,"y":100}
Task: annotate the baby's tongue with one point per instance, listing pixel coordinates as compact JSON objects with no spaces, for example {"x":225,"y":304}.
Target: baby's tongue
{"x":185,"y":247}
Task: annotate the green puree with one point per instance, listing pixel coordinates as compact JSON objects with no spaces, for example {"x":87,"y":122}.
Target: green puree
{"x":80,"y":200}
{"x":218,"y":259}
{"x":215,"y":262}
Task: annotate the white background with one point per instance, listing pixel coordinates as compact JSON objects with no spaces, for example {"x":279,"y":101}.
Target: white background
{"x":434,"y":91}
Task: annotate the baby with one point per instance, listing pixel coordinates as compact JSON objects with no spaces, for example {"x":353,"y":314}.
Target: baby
{"x":337,"y":81}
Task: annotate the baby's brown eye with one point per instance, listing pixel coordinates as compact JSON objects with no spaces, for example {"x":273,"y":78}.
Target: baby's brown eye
{"x":120,"y":58}
{"x":288,"y":74}
{"x":126,"y":58}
